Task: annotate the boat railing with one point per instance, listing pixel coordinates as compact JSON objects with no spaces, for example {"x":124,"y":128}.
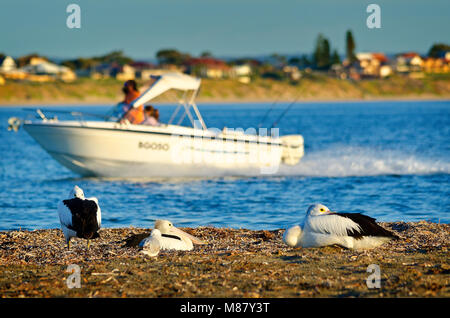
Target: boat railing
{"x":76,"y":114}
{"x":14,"y":123}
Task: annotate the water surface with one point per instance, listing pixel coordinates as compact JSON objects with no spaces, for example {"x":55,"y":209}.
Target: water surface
{"x":390,"y":160}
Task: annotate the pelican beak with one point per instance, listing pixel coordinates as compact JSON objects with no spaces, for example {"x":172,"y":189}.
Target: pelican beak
{"x":186,"y":235}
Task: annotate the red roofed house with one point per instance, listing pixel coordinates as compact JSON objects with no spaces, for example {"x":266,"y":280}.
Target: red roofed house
{"x":208,"y":67}
{"x":409,"y":62}
{"x":374,"y":64}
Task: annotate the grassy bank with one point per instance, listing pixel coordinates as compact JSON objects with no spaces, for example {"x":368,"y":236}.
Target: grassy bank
{"x":312,"y":87}
{"x":234,"y":263}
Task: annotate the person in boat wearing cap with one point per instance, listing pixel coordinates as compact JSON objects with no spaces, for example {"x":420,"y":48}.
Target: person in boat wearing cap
{"x":134,"y":115}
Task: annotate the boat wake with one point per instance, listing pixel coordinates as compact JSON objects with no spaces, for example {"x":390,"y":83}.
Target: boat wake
{"x":336,"y":161}
{"x":346,"y":161}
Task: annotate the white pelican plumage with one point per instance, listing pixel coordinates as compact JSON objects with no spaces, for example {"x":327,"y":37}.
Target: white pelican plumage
{"x":79,"y":216}
{"x":152,"y":244}
{"x":322,"y":227}
{"x":171,"y":238}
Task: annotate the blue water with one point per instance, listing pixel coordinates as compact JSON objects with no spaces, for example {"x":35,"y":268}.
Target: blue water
{"x":390,"y":160}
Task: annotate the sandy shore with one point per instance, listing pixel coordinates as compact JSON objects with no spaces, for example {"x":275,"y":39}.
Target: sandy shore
{"x":311,"y":88}
{"x":234,"y":263}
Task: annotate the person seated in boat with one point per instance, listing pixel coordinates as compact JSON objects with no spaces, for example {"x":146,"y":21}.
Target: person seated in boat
{"x":131,"y":92}
{"x":134,"y":115}
{"x":156,"y":115}
{"x":151,"y":116}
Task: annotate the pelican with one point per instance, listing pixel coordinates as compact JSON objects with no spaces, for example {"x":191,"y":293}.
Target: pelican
{"x":79,"y":216}
{"x":322,"y":227}
{"x":171,"y":238}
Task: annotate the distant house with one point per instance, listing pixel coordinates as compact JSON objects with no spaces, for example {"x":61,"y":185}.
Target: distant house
{"x":124,"y":73}
{"x":114,"y":70}
{"x":7,"y":64}
{"x":385,"y":71}
{"x":143,"y":70}
{"x":35,"y":60}
{"x":292,"y":72}
{"x":242,"y":73}
{"x":436,"y":65}
{"x":242,"y":70}
{"x":46,"y":71}
{"x":208,"y":67}
{"x":31,"y":59}
{"x":101,"y":71}
{"x":337,"y":70}
{"x":408,"y":62}
{"x":167,"y":67}
{"x":373,"y":65}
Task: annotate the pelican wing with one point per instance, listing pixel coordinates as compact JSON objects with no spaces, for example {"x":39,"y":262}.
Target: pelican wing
{"x":331,"y":224}
{"x":368,"y":226}
{"x":171,"y":236}
{"x":163,"y":242}
{"x":84,"y":217}
{"x":65,"y":215}
{"x":99,"y":211}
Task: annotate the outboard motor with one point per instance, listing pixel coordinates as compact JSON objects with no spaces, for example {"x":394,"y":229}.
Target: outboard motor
{"x":14,"y":123}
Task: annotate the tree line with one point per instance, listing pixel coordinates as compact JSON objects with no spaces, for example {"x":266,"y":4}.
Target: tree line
{"x":322,"y":58}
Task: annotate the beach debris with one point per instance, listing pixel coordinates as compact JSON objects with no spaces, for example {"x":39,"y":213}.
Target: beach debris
{"x":229,"y":260}
{"x":350,"y":230}
{"x":79,"y":216}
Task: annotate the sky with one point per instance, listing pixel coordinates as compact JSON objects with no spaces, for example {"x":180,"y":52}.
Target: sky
{"x":231,"y":28}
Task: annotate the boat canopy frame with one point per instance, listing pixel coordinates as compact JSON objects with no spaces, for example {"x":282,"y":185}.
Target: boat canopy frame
{"x":190,"y":86}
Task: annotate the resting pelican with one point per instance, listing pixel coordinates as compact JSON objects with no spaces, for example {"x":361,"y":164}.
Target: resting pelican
{"x":322,"y":227}
{"x":79,"y":216}
{"x":171,"y":238}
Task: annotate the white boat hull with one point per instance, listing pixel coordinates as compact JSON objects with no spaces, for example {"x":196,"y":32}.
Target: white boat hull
{"x":107,"y":149}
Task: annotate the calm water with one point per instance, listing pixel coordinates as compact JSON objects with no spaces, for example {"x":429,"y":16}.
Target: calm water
{"x":390,"y":160}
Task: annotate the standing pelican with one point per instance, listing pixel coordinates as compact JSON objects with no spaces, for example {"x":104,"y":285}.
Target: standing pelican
{"x":350,"y":230}
{"x":171,"y":238}
{"x":79,"y":216}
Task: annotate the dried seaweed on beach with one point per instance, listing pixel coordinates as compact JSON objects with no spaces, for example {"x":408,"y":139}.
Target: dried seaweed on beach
{"x":234,"y":263}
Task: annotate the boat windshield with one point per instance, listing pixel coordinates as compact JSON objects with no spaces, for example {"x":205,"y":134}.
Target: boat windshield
{"x":183,"y":87}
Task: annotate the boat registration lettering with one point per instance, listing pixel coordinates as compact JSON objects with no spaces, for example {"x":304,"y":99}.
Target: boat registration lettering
{"x":153,"y":146}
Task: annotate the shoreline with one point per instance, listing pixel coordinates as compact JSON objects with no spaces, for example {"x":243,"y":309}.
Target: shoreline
{"x":234,"y":263}
{"x":311,"y":88}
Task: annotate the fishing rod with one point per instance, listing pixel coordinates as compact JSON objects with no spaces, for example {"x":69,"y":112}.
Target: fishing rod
{"x":73,"y":113}
{"x":269,"y":110}
{"x":285,"y":111}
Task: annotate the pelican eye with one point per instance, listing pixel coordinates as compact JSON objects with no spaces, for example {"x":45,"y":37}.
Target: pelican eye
{"x":322,"y":210}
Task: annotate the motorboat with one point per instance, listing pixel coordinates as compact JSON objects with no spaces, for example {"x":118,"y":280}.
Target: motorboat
{"x":110,"y":148}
